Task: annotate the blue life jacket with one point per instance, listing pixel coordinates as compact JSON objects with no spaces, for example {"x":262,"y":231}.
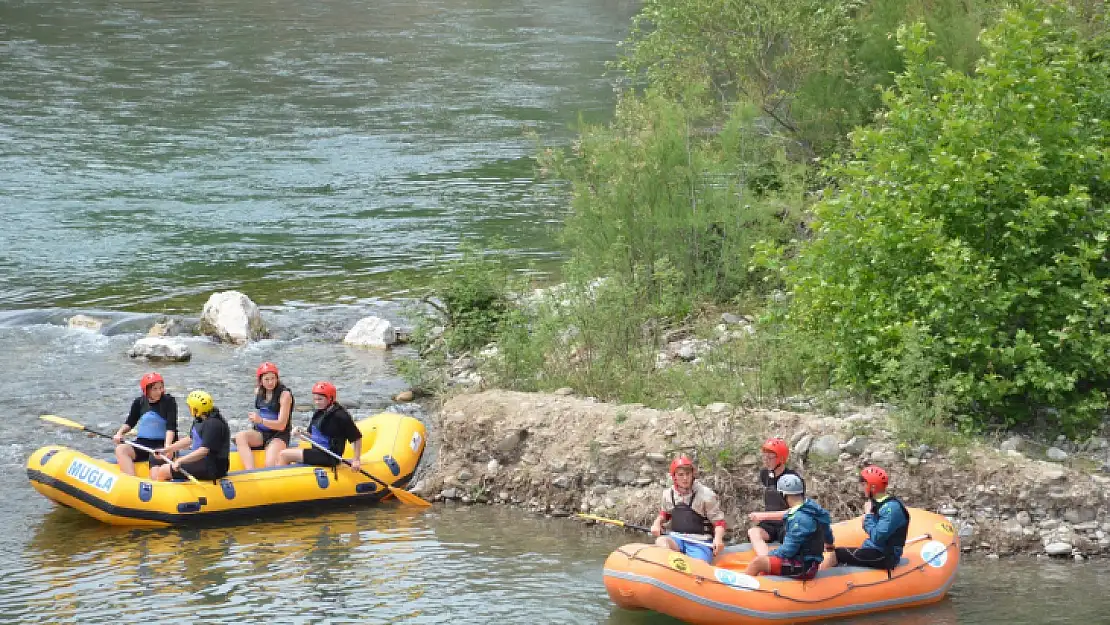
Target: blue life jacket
{"x":270,"y":410}
{"x":195,"y":436}
{"x":151,"y":426}
{"x":319,"y":438}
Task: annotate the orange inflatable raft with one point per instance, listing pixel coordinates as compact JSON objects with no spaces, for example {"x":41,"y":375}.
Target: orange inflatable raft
{"x":639,"y":576}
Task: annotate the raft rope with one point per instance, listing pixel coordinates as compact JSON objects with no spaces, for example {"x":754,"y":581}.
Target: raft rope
{"x":848,"y":588}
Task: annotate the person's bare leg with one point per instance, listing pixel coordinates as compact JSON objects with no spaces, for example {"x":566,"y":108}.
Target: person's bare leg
{"x":125,"y":456}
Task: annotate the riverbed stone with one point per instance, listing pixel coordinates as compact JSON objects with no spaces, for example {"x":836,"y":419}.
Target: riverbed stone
{"x":85,"y":322}
{"x":231,"y":317}
{"x":404,"y":396}
{"x":1055,"y":454}
{"x":563,"y":392}
{"x":1024,"y":518}
{"x":1058,"y":549}
{"x":1014,"y":443}
{"x":451,"y":493}
{"x":511,"y":441}
{"x":801,"y":448}
{"x":718,"y":407}
{"x":160,"y":350}
{"x":855,"y":445}
{"x":373,"y":332}
{"x":827,"y":446}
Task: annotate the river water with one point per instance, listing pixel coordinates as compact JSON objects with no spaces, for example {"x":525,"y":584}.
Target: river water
{"x":322,"y":157}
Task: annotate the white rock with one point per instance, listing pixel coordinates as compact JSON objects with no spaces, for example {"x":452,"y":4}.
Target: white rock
{"x":85,"y":322}
{"x":1056,"y":455}
{"x":158,"y":348}
{"x":231,"y":317}
{"x":718,"y":407}
{"x":1058,"y":549}
{"x":372,"y":332}
{"x":492,"y":465}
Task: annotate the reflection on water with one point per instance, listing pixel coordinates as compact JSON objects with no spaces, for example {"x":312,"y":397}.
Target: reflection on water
{"x":444,"y":565}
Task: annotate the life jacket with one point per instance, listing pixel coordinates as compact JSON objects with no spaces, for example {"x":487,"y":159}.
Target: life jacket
{"x":315,"y":432}
{"x":773,"y":501}
{"x":684,"y":520}
{"x":151,"y":425}
{"x":898,"y":538}
{"x":814,"y":547}
{"x":194,"y":435}
{"x":272,"y":409}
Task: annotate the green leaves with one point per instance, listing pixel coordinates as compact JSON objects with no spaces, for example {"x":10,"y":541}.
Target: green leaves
{"x":975,"y":212}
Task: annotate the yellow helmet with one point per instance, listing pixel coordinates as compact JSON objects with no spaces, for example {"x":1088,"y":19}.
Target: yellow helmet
{"x":199,"y":403}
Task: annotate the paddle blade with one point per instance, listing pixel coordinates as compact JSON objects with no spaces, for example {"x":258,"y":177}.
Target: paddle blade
{"x":62,"y":421}
{"x":591,"y":517}
{"x":409,"y":498}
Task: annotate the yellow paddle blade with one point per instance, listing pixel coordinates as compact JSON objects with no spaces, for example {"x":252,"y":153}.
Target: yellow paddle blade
{"x":409,"y":498}
{"x":62,"y":421}
{"x":599,"y":519}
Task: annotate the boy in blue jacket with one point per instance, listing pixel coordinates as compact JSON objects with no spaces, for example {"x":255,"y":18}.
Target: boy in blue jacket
{"x":808,"y":534}
{"x":886,"y":522}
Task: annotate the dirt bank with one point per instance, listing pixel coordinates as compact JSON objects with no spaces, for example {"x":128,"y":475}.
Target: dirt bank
{"x":558,"y":454}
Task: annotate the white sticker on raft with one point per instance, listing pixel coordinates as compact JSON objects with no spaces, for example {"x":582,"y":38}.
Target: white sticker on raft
{"x":415,"y":442}
{"x":87,"y":473}
{"x":934,"y":553}
{"x":738,"y":581}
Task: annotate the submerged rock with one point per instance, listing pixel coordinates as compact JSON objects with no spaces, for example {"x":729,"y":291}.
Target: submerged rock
{"x":85,"y":322}
{"x":160,"y":349}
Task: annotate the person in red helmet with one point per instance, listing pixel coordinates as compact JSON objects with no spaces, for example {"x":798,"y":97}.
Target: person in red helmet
{"x":272,"y":418}
{"x":331,"y":427}
{"x":154,"y":417}
{"x":886,"y":522}
{"x":693,"y":512}
{"x":769,"y":523}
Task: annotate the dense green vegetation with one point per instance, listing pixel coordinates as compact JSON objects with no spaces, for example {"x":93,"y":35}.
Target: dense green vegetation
{"x":949,"y":254}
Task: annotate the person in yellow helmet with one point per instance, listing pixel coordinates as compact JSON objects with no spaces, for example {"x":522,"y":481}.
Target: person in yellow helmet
{"x":209,"y":444}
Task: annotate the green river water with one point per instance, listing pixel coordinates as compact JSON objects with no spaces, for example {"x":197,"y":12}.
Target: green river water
{"x":322,"y":157}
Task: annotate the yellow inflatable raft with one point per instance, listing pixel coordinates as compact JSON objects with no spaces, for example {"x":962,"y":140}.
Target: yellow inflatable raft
{"x":393,"y":445}
{"x":640,"y":576}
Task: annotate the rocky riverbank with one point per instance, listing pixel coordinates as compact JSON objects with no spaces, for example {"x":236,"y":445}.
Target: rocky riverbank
{"x":558,"y":454}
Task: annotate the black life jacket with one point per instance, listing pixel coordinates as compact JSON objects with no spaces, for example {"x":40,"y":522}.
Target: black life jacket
{"x":773,"y":501}
{"x":684,"y":520}
{"x":898,"y":538}
{"x":814,"y":546}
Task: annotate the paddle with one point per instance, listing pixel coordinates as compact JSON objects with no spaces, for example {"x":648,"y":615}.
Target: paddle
{"x":640,"y":528}
{"x":399,"y":493}
{"x":73,"y":424}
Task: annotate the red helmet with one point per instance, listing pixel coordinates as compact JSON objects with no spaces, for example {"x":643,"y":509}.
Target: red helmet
{"x":778,"y":447}
{"x":875,"y":478}
{"x":682,"y":461}
{"x":148,"y":379}
{"x":327,"y":389}
{"x":266,"y":367}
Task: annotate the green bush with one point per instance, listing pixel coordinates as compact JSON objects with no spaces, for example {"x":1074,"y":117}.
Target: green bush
{"x":471,"y":297}
{"x":973,"y":218}
{"x":652,"y":193}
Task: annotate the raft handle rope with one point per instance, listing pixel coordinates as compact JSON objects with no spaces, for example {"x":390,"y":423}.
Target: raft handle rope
{"x":850,"y":586}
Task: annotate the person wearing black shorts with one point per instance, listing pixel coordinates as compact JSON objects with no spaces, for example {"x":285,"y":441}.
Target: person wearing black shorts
{"x":331,"y":428}
{"x":209,"y":444}
{"x":886,"y":522}
{"x":770,"y":527}
{"x":154,"y":417}
{"x":271,"y":419}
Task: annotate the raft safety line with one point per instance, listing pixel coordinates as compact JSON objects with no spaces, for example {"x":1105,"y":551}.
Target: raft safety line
{"x":848,"y":587}
{"x":776,"y":616}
